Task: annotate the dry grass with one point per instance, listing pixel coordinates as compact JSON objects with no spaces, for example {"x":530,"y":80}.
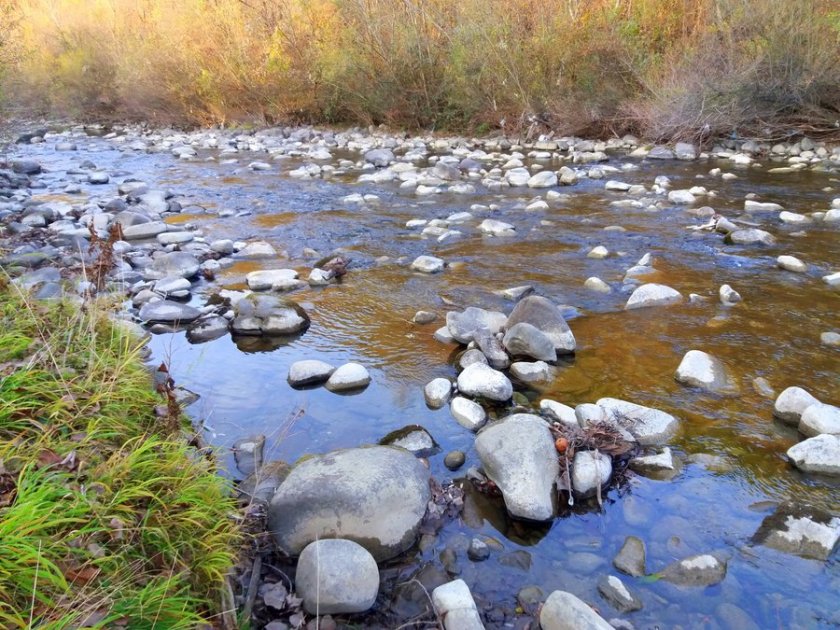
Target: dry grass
{"x":665,"y":68}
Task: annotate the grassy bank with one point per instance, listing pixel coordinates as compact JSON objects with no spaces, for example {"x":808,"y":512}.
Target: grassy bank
{"x":106,"y":515}
{"x":660,"y":68}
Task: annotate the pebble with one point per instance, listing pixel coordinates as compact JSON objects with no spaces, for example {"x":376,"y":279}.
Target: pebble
{"x":454,"y":460}
{"x":791,"y":263}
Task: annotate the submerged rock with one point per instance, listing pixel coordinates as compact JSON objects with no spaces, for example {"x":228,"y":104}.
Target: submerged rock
{"x":428,"y":264}
{"x":336,"y":576}
{"x":616,"y":593}
{"x":800,"y":530}
{"x":375,"y":496}
{"x":631,"y":557}
{"x":700,"y":570}
{"x":564,"y":611}
{"x":518,"y":454}
{"x":752,"y":236}
{"x":414,"y":439}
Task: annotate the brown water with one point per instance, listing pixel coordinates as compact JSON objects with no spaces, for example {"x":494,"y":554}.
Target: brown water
{"x":774,"y":333}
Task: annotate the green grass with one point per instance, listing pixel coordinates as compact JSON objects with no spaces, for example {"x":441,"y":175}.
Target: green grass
{"x":105,"y":514}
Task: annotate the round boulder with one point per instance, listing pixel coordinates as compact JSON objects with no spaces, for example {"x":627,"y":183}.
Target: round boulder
{"x":375,"y":496}
{"x":336,"y":576}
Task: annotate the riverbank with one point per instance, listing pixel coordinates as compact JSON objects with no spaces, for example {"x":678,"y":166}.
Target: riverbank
{"x":317,"y":288}
{"x":108,"y":517}
{"x":661,"y":69}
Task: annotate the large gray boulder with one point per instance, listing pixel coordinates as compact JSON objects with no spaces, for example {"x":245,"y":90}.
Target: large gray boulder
{"x":702,"y":370}
{"x":463,"y":326}
{"x":518,"y":454}
{"x":375,"y":496}
{"x":336,"y":576}
{"x":820,"y":454}
{"x":649,"y":426}
{"x":544,"y":315}
{"x":526,"y":340}
{"x":564,"y":611}
{"x":483,"y":381}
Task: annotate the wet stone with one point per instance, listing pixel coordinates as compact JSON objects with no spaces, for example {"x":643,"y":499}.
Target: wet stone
{"x":437,"y":392}
{"x":454,"y":460}
{"x":414,"y":439}
{"x":791,"y":403}
{"x":613,"y":590}
{"x":478,"y":550}
{"x":348,"y":377}
{"x":564,"y":611}
{"x":700,"y":570}
{"x":309,"y":372}
{"x":800,"y":530}
{"x":631,"y":557}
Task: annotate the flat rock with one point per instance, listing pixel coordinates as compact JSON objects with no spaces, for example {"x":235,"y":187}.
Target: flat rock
{"x":699,"y":570}
{"x":479,"y":380}
{"x":496,"y":228}
{"x":349,"y":376}
{"x":564,"y":611}
{"x":546,"y":317}
{"x":336,"y":576}
{"x":257,"y":250}
{"x":649,"y":426}
{"x":653,"y":295}
{"x":750,"y":236}
{"x":143,"y":231}
{"x":376,"y":496}
{"x":791,"y":403}
{"x":175,"y":264}
{"x":309,"y":372}
{"x":702,"y":370}
{"x":272,"y":279}
{"x":820,"y":454}
{"x":518,"y":454}
{"x":167,"y":312}
{"x":559,"y":412}
{"x":208,"y":329}
{"x":531,"y":372}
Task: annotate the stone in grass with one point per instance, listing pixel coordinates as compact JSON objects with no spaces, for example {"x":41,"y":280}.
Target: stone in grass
{"x":309,"y":372}
{"x":455,"y":606}
{"x":699,"y":570}
{"x":617,"y":595}
{"x":348,"y":377}
{"x":800,"y":530}
{"x":631,"y":557}
{"x":564,"y":611}
{"x":336,"y":576}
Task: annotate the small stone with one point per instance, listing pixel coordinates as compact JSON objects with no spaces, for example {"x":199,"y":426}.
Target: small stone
{"x":615,"y":592}
{"x":437,"y":392}
{"x":597,"y":285}
{"x":652,"y":464}
{"x":485,"y":382}
{"x":590,"y":470}
{"x":349,"y":376}
{"x":527,"y":372}
{"x":455,"y":607}
{"x":559,"y":412}
{"x":478,"y":550}
{"x":427,"y":264}
{"x":791,"y":263}
{"x":791,"y":403}
{"x":454,"y":460}
{"x":751,"y":236}
{"x":598,"y":252}
{"x":469,"y":414}
{"x":309,"y":372}
{"x":424,"y":317}
{"x":631,"y":557}
{"x":700,"y":570}
{"x":649,"y":295}
{"x":800,"y":530}
{"x":728,"y":295}
{"x":830,"y":339}
{"x":702,"y":370}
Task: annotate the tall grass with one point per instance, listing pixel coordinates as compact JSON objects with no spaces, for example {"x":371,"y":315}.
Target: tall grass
{"x":659,"y":67}
{"x":106,"y":516}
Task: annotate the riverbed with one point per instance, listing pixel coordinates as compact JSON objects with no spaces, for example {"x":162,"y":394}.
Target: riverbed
{"x":714,"y":505}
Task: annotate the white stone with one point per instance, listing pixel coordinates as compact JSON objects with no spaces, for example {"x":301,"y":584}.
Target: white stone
{"x":272,"y":279}
{"x":559,"y":412}
{"x":483,"y":381}
{"x":700,"y":369}
{"x":653,"y":295}
{"x":791,"y":403}
{"x":543,"y":179}
{"x":681,"y":197}
{"x":347,"y":377}
{"x":564,"y":611}
{"x":596,"y":284}
{"x":820,"y":418}
{"x":820,"y":454}
{"x":598,"y":252}
{"x":791,"y":263}
{"x":617,"y":186}
{"x":309,"y":372}
{"x":455,"y":606}
{"x":530,"y":372}
{"x":427,"y":264}
{"x":649,"y":426}
{"x":590,"y":470}
{"x":437,"y":392}
{"x":728,"y":295}
{"x":468,"y":414}
{"x":757,"y":206}
{"x":496,"y":228}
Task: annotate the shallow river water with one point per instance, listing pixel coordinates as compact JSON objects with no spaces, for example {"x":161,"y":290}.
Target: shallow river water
{"x":773,"y":333}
